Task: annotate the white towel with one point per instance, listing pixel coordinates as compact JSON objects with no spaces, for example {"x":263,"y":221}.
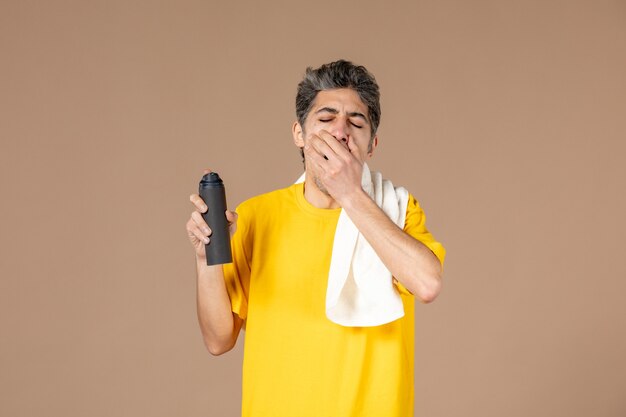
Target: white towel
{"x":360,"y":290}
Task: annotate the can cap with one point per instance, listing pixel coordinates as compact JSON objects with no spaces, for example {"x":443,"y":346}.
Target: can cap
{"x":212,"y":179}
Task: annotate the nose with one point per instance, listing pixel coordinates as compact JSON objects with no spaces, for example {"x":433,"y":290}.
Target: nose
{"x":340,"y":131}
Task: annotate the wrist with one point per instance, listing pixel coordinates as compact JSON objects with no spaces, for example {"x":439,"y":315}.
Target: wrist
{"x":201,"y":260}
{"x":205,"y":271}
{"x":354,"y":200}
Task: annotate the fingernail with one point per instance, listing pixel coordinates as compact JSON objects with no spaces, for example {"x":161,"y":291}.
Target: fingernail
{"x":206,"y":231}
{"x":206,"y":240}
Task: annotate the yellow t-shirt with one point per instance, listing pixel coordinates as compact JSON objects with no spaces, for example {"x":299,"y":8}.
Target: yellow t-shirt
{"x":297,"y":363}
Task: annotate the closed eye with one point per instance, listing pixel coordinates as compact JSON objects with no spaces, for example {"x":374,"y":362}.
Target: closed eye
{"x":356,"y":125}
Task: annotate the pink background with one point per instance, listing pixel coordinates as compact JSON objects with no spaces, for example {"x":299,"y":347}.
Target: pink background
{"x":505,"y":119}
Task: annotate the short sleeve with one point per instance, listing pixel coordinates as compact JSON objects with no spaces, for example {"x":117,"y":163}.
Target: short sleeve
{"x":415,"y":225}
{"x":237,"y":273}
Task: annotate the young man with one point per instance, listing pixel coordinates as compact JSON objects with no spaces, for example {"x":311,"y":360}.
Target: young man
{"x":297,"y":361}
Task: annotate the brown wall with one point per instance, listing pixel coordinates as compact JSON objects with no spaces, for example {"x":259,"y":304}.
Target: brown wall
{"x":506,"y":119}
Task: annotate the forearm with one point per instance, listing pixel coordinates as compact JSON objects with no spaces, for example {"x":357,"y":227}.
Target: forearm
{"x":412,"y":263}
{"x":219,"y":326}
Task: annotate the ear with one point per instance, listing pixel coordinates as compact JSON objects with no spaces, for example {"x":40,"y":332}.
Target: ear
{"x":298,"y":136}
{"x":374,"y":145}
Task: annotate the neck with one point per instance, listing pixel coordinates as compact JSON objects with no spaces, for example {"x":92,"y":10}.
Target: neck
{"x":317,"y":197}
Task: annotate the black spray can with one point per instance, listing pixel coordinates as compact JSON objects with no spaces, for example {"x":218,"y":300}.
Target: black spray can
{"x":212,"y":192}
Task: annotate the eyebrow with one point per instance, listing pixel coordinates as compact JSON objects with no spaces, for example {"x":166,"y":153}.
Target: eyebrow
{"x":335,"y":111}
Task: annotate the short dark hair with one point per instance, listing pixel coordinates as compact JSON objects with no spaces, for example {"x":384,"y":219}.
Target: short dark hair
{"x":339,"y":74}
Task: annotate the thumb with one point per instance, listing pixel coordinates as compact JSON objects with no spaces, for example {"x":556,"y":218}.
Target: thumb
{"x":231,"y":216}
{"x":355,"y":150}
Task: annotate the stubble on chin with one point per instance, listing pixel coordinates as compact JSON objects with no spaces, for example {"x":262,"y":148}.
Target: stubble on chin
{"x":320,"y":186}
{"x":316,"y":179}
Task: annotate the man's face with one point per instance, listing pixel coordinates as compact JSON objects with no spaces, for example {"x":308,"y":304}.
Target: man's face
{"x":341,"y":113}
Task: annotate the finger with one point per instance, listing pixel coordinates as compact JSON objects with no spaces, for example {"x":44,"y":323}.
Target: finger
{"x":198,"y":202}
{"x":354,"y":149}
{"x":310,"y":150}
{"x":322,"y":147}
{"x":330,"y":160}
{"x":195,"y":233}
{"x":201,"y":224}
{"x":339,"y":147}
{"x":316,"y":159}
{"x":231,"y":216}
{"x":319,"y":146}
